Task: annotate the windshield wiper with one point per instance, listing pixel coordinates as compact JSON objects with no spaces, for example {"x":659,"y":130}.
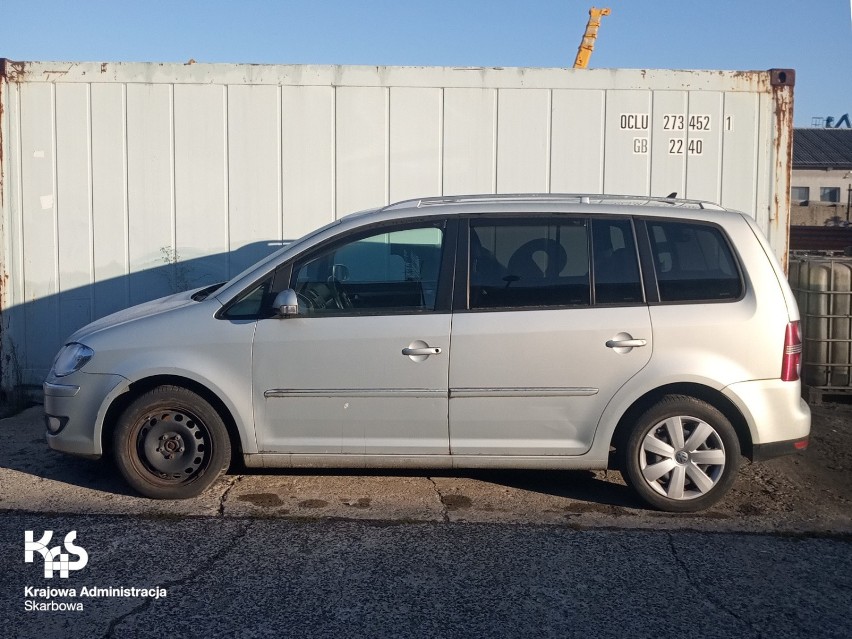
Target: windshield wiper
{"x":204,"y":293}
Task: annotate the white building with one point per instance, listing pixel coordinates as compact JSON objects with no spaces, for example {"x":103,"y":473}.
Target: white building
{"x":821,"y":185}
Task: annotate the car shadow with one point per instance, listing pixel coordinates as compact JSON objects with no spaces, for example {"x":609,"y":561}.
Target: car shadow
{"x":586,"y":490}
{"x":23,"y":449}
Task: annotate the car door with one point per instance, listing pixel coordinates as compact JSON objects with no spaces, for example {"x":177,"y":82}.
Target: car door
{"x":363,"y":367}
{"x":542,"y":341}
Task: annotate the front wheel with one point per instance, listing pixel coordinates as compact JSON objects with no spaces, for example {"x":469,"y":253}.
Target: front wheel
{"x":682,"y":455}
{"x":171,"y":444}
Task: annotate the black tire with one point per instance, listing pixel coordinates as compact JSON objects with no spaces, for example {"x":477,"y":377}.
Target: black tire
{"x":171,"y":444}
{"x":681,"y":473}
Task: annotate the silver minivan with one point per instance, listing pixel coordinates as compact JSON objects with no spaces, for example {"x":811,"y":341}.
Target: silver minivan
{"x":658,"y":336}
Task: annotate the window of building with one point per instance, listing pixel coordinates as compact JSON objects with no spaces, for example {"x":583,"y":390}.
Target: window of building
{"x":800,"y":195}
{"x":829,"y":194}
{"x":693,"y":262}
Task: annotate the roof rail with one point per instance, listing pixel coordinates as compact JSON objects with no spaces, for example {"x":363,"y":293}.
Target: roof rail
{"x":572,"y":198}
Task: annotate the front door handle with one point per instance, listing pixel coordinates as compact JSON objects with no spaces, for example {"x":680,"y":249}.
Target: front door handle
{"x":428,"y":350}
{"x":625,"y":343}
{"x":420,"y":351}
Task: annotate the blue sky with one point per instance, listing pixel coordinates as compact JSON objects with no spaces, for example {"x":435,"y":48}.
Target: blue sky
{"x":812,"y":36}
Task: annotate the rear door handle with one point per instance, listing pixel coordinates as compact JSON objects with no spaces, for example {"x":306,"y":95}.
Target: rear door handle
{"x":625,"y":343}
{"x":429,"y":350}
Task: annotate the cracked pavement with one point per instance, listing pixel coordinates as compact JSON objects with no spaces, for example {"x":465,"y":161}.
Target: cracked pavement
{"x":456,"y":554}
{"x":279,"y":577}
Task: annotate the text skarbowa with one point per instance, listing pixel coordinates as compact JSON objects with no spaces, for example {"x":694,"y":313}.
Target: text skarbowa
{"x":32,"y":594}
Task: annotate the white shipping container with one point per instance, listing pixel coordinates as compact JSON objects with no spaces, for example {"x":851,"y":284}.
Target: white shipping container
{"x":122,"y":182}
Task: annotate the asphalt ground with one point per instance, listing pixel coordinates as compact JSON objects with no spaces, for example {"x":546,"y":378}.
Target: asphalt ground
{"x":808,"y":493}
{"x":419,"y":554}
{"x":278,"y":577}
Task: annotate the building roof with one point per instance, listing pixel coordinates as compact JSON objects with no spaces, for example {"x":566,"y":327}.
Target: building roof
{"x":822,"y":149}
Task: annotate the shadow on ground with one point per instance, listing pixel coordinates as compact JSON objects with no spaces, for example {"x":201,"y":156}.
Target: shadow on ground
{"x":23,"y":449}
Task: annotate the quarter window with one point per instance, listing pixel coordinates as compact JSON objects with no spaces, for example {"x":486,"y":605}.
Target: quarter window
{"x":617,"y":279}
{"x":693,"y":262}
{"x":395,"y":271}
{"x":515,"y":263}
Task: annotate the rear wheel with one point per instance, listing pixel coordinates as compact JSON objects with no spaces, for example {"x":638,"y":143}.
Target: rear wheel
{"x":171,"y":444}
{"x":682,"y":455}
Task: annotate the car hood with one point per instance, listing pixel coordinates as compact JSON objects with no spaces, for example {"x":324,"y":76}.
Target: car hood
{"x":134,"y":313}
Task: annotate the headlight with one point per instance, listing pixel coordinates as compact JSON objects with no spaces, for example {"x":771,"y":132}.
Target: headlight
{"x":71,"y":358}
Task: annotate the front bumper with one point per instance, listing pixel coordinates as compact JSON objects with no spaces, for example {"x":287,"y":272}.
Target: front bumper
{"x":74,"y":409}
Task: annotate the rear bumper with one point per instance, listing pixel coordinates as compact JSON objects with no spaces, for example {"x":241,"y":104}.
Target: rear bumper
{"x":777,"y":416}
{"x":762,"y":452}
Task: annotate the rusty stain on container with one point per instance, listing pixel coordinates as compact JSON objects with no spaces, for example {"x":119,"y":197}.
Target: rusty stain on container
{"x":51,"y":75}
{"x":11,"y":71}
{"x":782,"y":82}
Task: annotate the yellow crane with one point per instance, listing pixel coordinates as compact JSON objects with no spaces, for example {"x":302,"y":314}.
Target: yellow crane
{"x":587,"y":44}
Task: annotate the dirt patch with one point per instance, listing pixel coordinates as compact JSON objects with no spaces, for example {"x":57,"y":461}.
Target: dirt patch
{"x":263,"y":500}
{"x":313,"y":503}
{"x":456,"y":502}
{"x":814,"y":484}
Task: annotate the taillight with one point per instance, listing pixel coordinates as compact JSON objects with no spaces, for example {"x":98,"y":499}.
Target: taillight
{"x":791,"y":364}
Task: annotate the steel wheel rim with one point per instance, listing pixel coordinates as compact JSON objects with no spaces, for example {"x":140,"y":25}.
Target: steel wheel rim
{"x":682,"y":457}
{"x":173,"y":445}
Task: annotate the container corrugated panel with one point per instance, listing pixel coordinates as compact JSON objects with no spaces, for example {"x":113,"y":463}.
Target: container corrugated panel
{"x":823,"y":287}
{"x":122,"y":182}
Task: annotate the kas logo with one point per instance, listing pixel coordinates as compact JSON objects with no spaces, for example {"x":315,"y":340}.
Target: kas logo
{"x":54,"y":558}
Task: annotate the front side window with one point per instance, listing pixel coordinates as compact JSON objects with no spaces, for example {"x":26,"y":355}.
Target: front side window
{"x":535,"y":263}
{"x":394,"y":271}
{"x":693,"y":262}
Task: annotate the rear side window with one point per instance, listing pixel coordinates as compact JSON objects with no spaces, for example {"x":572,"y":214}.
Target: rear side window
{"x":529,"y":263}
{"x":693,"y":262}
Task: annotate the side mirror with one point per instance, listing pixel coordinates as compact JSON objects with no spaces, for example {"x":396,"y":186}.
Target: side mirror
{"x":286,"y":303}
{"x":340,"y":272}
